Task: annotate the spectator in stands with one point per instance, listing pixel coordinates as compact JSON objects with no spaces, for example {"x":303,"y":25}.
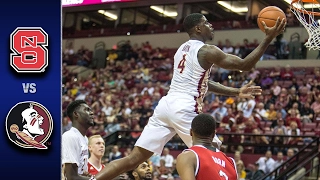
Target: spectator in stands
{"x":276,"y":73}
{"x":271,"y":113}
{"x":136,"y":132}
{"x":266,"y":163}
{"x":146,"y":112}
{"x":240,"y":120}
{"x":155,"y":162}
{"x":98,"y":129}
{"x":112,"y":56}
{"x":106,"y":106}
{"x":241,"y":170}
{"x":257,"y":119}
{"x":119,"y":82}
{"x":114,"y":126}
{"x":254,"y":73}
{"x":290,"y":17}
{"x":279,"y":140}
{"x":294,"y":140}
{"x":278,"y":162}
{"x":225,"y":119}
{"x":280,"y":125}
{"x":307,"y":114}
{"x":315,"y":106}
{"x":127,"y":152}
{"x":261,"y":111}
{"x":66,"y":124}
{"x":275,"y":88}
{"x":156,"y":55}
{"x":259,"y":140}
{"x":250,"y":125}
{"x":256,"y":173}
{"x":290,"y":153}
{"x":266,"y":81}
{"x":115,"y":153}
{"x":294,"y":127}
{"x":247,"y":106}
{"x":294,"y":83}
{"x":219,"y":112}
{"x":295,"y":109}
{"x":81,"y":95}
{"x":69,"y":50}
{"x":174,"y":171}
{"x":162,"y":170}
{"x":167,"y":157}
{"x":287,"y":74}
{"x":223,"y":74}
{"x":228,"y":48}
{"x":147,"y":47}
{"x":293,"y":118}
{"x":238,"y":50}
{"x":281,"y":110}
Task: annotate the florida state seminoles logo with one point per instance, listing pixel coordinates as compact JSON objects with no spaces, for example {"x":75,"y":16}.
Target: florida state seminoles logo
{"x":29,"y":125}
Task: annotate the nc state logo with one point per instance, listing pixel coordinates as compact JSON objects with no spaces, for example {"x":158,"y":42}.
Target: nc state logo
{"x":29,"y":125}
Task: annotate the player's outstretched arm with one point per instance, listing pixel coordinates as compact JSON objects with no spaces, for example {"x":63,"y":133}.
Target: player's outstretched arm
{"x":214,"y":55}
{"x":71,"y":172}
{"x":247,"y":91}
{"x":186,"y":165}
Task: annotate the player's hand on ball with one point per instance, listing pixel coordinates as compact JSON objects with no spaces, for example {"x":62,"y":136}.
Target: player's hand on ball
{"x":277,"y":29}
{"x":248,"y":91}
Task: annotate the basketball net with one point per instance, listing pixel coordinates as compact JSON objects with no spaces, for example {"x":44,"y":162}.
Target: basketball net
{"x":307,"y":19}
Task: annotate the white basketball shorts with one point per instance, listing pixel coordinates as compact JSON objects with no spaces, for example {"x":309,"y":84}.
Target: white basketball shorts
{"x":173,"y":114}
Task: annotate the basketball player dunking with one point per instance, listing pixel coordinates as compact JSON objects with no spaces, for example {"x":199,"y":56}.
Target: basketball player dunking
{"x":175,"y":111}
{"x":202,"y":160}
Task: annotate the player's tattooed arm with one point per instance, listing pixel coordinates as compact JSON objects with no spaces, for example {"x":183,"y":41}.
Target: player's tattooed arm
{"x":71,"y":172}
{"x":246,"y":91}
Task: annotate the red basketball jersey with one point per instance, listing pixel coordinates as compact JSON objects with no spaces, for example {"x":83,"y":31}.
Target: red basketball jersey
{"x":93,"y":170}
{"x":213,"y":165}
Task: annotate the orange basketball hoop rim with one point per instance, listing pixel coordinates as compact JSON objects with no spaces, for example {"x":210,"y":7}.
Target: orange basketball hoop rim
{"x":303,"y":10}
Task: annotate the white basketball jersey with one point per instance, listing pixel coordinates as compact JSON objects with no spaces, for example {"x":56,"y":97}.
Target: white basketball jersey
{"x":75,"y":149}
{"x":188,"y":76}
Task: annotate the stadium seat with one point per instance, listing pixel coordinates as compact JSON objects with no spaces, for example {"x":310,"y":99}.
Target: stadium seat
{"x":300,"y":76}
{"x":268,"y":132}
{"x":287,"y":84}
{"x":307,"y":127}
{"x":309,"y":76}
{"x":267,"y":125}
{"x":312,"y":133}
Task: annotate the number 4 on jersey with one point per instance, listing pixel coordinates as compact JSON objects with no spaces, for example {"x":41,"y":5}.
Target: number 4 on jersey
{"x":181,"y":65}
{"x":29,"y":50}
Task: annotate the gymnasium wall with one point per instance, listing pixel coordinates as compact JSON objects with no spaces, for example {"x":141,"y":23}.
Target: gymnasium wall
{"x":174,"y":40}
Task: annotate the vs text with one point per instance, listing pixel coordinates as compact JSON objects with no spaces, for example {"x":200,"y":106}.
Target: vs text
{"x":29,"y":88}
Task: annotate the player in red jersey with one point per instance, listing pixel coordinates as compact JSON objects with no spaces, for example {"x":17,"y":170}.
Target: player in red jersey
{"x":203,"y":160}
{"x":96,"y":149}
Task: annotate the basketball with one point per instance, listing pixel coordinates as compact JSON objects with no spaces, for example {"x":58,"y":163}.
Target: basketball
{"x":269,"y":15}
